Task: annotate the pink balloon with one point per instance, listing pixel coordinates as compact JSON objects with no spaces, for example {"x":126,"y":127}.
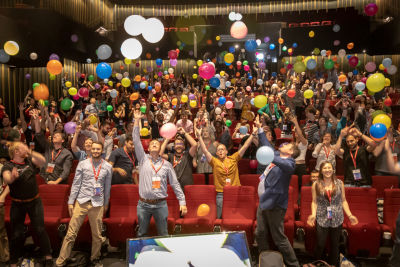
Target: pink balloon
{"x":229,"y":104}
{"x":76,"y":97}
{"x":246,"y":68}
{"x":289,"y":66}
{"x":172,"y":54}
{"x":83,"y":92}
{"x":353,"y":61}
{"x":173,"y":62}
{"x":157,"y":84}
{"x":238,"y":63}
{"x":238,"y":30}
{"x":248,"y":88}
{"x":207,"y":71}
{"x":336,"y":42}
{"x":364,"y":79}
{"x":159,"y":73}
{"x":168,"y":130}
{"x":371,"y":9}
{"x":370,"y":66}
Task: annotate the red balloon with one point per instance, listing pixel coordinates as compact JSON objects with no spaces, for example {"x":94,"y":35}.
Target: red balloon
{"x":353,"y":61}
{"x":207,"y":71}
{"x":83,"y":92}
{"x":172,"y":54}
{"x":289,"y":66}
{"x":364,"y":79}
{"x":388,"y":102}
{"x":291,"y":93}
{"x":371,"y":9}
{"x":253,"y":164}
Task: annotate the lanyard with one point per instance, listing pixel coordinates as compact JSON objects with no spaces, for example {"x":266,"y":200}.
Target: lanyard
{"x":156,"y":170}
{"x":52,"y":155}
{"x":131,"y":159}
{"x":225,"y":168}
{"x":176,"y":162}
{"x":354,"y":158}
{"x":327,"y":153}
{"x":328,"y":194}
{"x":394,"y":142}
{"x":96,"y":176}
{"x":17,"y":162}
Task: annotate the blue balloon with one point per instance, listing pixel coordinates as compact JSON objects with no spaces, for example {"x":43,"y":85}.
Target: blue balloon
{"x":149,"y":87}
{"x":348,"y":56}
{"x":135,"y":86}
{"x":355,"y":72}
{"x":228,"y":83}
{"x":4,"y":57}
{"x":165,"y":72}
{"x":243,"y":130}
{"x":214,"y":82}
{"x":294,"y":45}
{"x":378,"y":130}
{"x":222,"y":100}
{"x":250,"y":77}
{"x":142,"y":85}
{"x":103,"y":70}
{"x":250,"y":45}
{"x":274,"y":74}
{"x":226,"y":63}
{"x":311,"y":64}
{"x":271,"y":47}
{"x":386,"y":62}
{"x":265,"y":155}
{"x":252,"y":101}
{"x":158,"y":61}
{"x":231,"y":49}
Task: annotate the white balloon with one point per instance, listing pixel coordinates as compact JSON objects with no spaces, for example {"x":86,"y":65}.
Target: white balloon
{"x":341,"y":53}
{"x":170,"y":70}
{"x":258,"y":41}
{"x":131,"y":48}
{"x":153,"y":30}
{"x":118,"y":76}
{"x":88,"y":60}
{"x":323,"y":52}
{"x":232,"y":16}
{"x":336,"y":28}
{"x":238,"y":16}
{"x":105,"y":80}
{"x":104,"y":51}
{"x":350,"y":74}
{"x":218,"y":110}
{"x":392,"y":69}
{"x":134,"y":25}
{"x":33,"y":56}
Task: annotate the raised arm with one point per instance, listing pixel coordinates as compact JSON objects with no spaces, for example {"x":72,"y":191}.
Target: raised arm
{"x":74,"y":142}
{"x":246,"y":145}
{"x":261,"y":135}
{"x":22,"y":116}
{"x":139,"y":151}
{"x":299,"y":134}
{"x":338,"y":147}
{"x":393,"y":166}
{"x":203,"y":146}
{"x":191,"y":141}
{"x":371,"y":144}
{"x":163,"y":147}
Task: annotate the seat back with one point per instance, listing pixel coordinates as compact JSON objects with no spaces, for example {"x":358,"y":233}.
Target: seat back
{"x":199,"y":179}
{"x":362,"y":203}
{"x":289,"y":216}
{"x":200,"y":194}
{"x":244,"y":166}
{"x":123,"y":200}
{"x":239,"y":202}
{"x":294,"y":183}
{"x":54,"y":199}
{"x":173,"y":204}
{"x":305,"y":180}
{"x":250,"y":180}
{"x":380,"y":183}
{"x":391,"y":206}
{"x":305,"y":203}
{"x":339,"y":166}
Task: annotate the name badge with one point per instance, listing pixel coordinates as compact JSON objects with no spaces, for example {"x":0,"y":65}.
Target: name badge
{"x":284,"y":127}
{"x":121,"y":122}
{"x":395,"y":158}
{"x":203,"y":158}
{"x":97,"y":190}
{"x":329,"y":212}
{"x":357,"y":174}
{"x":145,"y":123}
{"x":32,"y":145}
{"x":50,"y":167}
{"x":228,"y":181}
{"x":156,"y":183}
{"x":273,"y":117}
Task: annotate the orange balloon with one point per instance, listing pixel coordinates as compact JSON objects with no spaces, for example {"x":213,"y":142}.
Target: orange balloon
{"x":350,"y":45}
{"x":121,"y":67}
{"x":342,"y":78}
{"x":41,"y":92}
{"x":134,"y":96}
{"x":209,"y":42}
{"x":337,"y":65}
{"x":174,"y":101}
{"x":138,"y":78}
{"x":166,"y":77}
{"x":280,"y":40}
{"x":334,"y":58}
{"x":283,"y":70}
{"x":328,"y":53}
{"x":148,"y":55}
{"x":54,"y":67}
{"x":230,"y":67}
{"x":203,"y":210}
{"x":237,"y":74}
{"x":214,"y":60}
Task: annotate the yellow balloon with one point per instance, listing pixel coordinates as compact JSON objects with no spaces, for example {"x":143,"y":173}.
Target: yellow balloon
{"x":68,"y":84}
{"x":387,"y":82}
{"x":126,"y":82}
{"x":184,"y":98}
{"x":194,"y":76}
{"x":222,"y":73}
{"x":41,"y":102}
{"x":229,"y":57}
{"x":311,"y":34}
{"x":72,"y":91}
{"x":260,"y":101}
{"x":308,"y":93}
{"x":110,"y":83}
{"x":199,"y":62}
{"x":153,"y":99}
{"x":218,"y":38}
{"x":127,"y":61}
{"x":376,"y":82}
{"x":144,"y":132}
{"x":233,"y":81}
{"x":381,"y":67}
{"x":93,"y":119}
{"x":193,"y":103}
{"x":11,"y":48}
{"x":383,"y":118}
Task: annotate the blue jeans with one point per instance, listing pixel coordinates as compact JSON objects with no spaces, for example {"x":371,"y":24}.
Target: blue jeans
{"x":219,"y":200}
{"x":160,"y":213}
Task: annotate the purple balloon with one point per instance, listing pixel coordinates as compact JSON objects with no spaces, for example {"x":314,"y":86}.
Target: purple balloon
{"x":336,"y":42}
{"x":261,"y":65}
{"x":27,"y":76}
{"x":371,"y":9}
{"x":192,"y":97}
{"x":54,"y":57}
{"x":70,"y":127}
{"x":74,"y":38}
{"x":159,"y":73}
{"x":191,"y":53}
{"x":173,"y":62}
{"x":266,"y":39}
{"x":97,"y":86}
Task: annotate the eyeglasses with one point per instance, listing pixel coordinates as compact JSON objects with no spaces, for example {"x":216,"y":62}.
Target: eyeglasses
{"x":284,"y":144}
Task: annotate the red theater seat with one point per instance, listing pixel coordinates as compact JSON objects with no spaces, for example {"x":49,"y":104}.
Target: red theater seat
{"x":339,"y":166}
{"x":239,"y":210}
{"x":250,"y":180}
{"x":294,"y":183}
{"x":244,"y":166}
{"x":195,"y":196}
{"x":391,"y":208}
{"x":380,"y":183}
{"x":199,"y":179}
{"x":123,"y":213}
{"x":365,"y":236}
{"x":39,"y":180}
{"x":305,"y":211}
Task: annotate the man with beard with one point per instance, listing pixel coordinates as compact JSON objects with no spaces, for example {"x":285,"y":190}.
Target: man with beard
{"x":19,"y":174}
{"x":108,"y":140}
{"x":124,"y":163}
{"x":90,"y":194}
{"x":181,"y":160}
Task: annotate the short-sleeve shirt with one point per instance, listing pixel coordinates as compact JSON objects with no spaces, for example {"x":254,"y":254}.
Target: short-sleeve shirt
{"x":227,"y":169}
{"x":121,"y":160}
{"x":80,"y":155}
{"x":183,"y":167}
{"x":24,"y":187}
{"x":362,"y":163}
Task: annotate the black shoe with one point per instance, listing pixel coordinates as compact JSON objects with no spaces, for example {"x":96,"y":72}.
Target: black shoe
{"x":96,"y":263}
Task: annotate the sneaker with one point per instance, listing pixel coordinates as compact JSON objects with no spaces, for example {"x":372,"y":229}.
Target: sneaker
{"x":96,"y":263}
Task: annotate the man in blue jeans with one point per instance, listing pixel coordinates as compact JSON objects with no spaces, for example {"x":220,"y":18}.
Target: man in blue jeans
{"x":153,"y":174}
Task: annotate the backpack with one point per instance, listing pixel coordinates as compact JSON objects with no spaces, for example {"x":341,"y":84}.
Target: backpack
{"x":78,"y":259}
{"x":270,"y":259}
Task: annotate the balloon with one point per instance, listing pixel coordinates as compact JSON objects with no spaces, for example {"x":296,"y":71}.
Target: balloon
{"x":143,"y":109}
{"x":271,"y":47}
{"x":353,"y":61}
{"x":104,"y":51}
{"x":35,"y":85}
{"x":371,"y":9}
{"x":184,"y":98}
{"x":214,"y":82}
{"x":72,"y":91}
{"x":370,"y":66}
{"x":203,"y":210}
{"x":11,"y":48}
{"x":229,"y":104}
{"x":388,"y":102}
{"x":33,"y":56}
{"x":265,"y":155}
{"x":261,"y":65}
{"x":387,"y":82}
{"x":308,"y":93}
{"x":168,"y":130}
{"x":154,"y":30}
{"x":386,"y":62}
{"x":253,"y":164}
{"x":144,"y":132}
{"x":207,"y":71}
{"x":360,"y":86}
{"x":70,"y":127}
{"x":170,"y":70}
{"x":173,"y":62}
{"x":260,"y":82}
{"x":238,"y":30}
{"x":311,"y":34}
{"x":113,"y":93}
{"x":323,"y":52}
{"x":4,"y":57}
{"x":110,"y":83}
{"x":228,"y":58}
{"x":250,"y":45}
{"x":336,"y":28}
{"x":222,"y":100}
{"x":228,"y":123}
{"x":142,"y":85}
{"x":103,"y":70}
{"x":384,"y":119}
{"x":92,"y":119}
{"x":40,"y":91}
{"x":378,"y":130}
{"x":174,"y":101}
{"x":246,"y":68}
{"x":311,"y":64}
{"x":291,"y":93}
{"x":134,"y":96}
{"x":328,"y":64}
{"x":392,"y":70}
{"x":109,"y":108}
{"x":342,"y":53}
{"x":342,"y":78}
{"x":299,"y":67}
{"x":260,"y":101}
{"x":228,"y":83}
{"x":172,"y":54}
{"x":75,"y":97}
{"x":218,"y":110}
{"x":27,"y":76}
{"x":364,"y":80}
{"x":376,"y":82}
{"x":127,"y":61}
{"x":193,"y":103}
{"x":243,"y":130}
{"x":68,"y":84}
{"x":83,"y":92}
{"x":350,"y":46}
{"x":126,"y":82}
{"x":54,"y":67}
{"x":134,"y":24}
{"x":66,"y":104}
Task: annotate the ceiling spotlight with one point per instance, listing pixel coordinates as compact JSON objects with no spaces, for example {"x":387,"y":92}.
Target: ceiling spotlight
{"x":236,"y":46}
{"x":364,"y":51}
{"x":232,"y":16}
{"x":387,"y":19}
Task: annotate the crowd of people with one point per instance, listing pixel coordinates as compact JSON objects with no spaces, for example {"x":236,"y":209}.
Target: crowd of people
{"x":118,"y":139}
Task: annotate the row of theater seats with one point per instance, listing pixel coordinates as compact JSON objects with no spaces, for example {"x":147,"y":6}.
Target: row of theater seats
{"x":239,"y":212}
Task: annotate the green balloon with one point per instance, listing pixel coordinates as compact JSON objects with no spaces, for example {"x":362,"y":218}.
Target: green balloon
{"x":376,"y":112}
{"x":328,"y":64}
{"x":46,"y":103}
{"x":360,"y":92}
{"x":316,"y":51}
{"x":228,"y":123}
{"x":299,"y":67}
{"x":66,"y":104}
{"x":245,"y":63}
{"x":207,"y":87}
{"x":143,"y":109}
{"x":91,"y":78}
{"x":359,"y":63}
{"x":34,"y":85}
{"x":109,"y":108}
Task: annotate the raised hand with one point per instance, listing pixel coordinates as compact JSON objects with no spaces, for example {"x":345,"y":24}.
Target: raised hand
{"x":138,"y":115}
